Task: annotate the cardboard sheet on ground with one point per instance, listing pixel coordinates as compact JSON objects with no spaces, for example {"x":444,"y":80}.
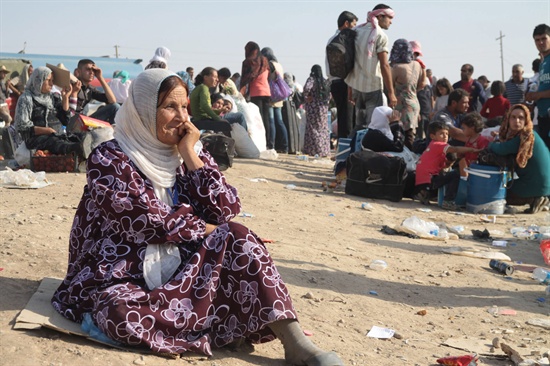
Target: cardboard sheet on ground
{"x":39,"y":312}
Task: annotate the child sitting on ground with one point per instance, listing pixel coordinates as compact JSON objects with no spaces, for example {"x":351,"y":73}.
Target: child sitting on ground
{"x":430,"y":173}
{"x":472,"y":125}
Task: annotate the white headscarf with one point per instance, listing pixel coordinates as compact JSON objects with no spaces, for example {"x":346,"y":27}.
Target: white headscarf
{"x":380,"y":121}
{"x":136,"y":133}
{"x":162,"y":54}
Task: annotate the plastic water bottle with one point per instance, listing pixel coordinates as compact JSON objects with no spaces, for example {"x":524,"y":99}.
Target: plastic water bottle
{"x":378,"y":265}
{"x":542,"y":275}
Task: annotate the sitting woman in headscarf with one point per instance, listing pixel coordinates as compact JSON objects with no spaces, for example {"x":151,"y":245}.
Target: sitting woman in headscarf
{"x":40,"y":116}
{"x":204,"y":116}
{"x":154,"y":258}
{"x":385,"y":132}
{"x":317,"y":96}
{"x":225,"y":106}
{"x":160,"y":59}
{"x":532,"y":159}
{"x":407,"y":79}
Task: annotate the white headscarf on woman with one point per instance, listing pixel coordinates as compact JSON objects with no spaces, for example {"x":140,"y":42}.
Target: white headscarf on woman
{"x":380,"y":121}
{"x":162,"y":54}
{"x":136,"y":133}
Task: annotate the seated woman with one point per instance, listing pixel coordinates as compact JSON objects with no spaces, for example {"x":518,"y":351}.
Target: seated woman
{"x":385,"y":132}
{"x":204,"y":117}
{"x":154,"y":258}
{"x":40,"y":116}
{"x":531,"y":156}
{"x":224,"y":105}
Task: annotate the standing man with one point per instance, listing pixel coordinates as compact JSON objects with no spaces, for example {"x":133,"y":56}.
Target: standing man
{"x":84,"y":93}
{"x":338,"y":87}
{"x":541,"y":35}
{"x":472,"y":86}
{"x":191,"y":72}
{"x":517,"y":86}
{"x":371,"y":71}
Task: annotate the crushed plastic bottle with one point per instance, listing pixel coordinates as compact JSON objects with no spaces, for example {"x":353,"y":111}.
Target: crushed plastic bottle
{"x":542,"y":275}
{"x":378,"y":265}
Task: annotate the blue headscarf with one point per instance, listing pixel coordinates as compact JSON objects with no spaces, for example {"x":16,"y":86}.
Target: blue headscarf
{"x":184,"y":75}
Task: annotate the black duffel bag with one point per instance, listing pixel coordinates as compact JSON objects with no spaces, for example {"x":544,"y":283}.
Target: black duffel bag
{"x":376,"y":175}
{"x":221,"y":147}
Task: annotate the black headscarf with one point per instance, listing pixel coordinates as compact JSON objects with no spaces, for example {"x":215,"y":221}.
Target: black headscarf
{"x":320,"y":84}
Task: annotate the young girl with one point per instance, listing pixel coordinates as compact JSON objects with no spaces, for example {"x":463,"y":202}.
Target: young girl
{"x":472,"y":125}
{"x":442,"y":90}
{"x":497,"y":106}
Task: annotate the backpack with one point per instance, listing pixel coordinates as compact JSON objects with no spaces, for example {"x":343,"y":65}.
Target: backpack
{"x":341,"y":53}
{"x":376,"y":175}
{"x":221,"y":147}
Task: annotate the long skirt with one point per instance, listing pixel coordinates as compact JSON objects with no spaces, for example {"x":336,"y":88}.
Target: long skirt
{"x":229,"y":289}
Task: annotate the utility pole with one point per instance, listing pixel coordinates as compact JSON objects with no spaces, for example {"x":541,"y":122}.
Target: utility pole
{"x":501,"y":55}
{"x":116,"y":50}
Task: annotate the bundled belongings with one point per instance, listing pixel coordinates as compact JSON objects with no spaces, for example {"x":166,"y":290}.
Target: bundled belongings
{"x":376,"y":175}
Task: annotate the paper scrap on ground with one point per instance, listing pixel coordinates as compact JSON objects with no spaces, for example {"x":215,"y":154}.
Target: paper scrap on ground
{"x":474,"y":253}
{"x":381,"y":333}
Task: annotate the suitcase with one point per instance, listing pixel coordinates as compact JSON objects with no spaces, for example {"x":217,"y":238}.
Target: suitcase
{"x":291,"y":123}
{"x":376,"y":175}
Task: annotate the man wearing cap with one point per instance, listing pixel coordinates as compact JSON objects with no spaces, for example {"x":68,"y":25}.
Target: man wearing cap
{"x":486,"y":84}
{"x":338,"y":87}
{"x":5,"y":87}
{"x":472,"y":86}
{"x":371,"y":71}
{"x":517,"y":86}
{"x":86,"y":71}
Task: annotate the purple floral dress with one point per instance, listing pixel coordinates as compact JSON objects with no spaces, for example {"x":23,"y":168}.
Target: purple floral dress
{"x":317,"y":136}
{"x":226,"y":288}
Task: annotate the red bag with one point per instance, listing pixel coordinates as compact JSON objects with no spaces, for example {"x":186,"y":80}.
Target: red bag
{"x":469,"y":360}
{"x":545,"y":250}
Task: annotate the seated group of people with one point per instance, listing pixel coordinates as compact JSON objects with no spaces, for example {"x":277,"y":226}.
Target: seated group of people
{"x":449,"y":144}
{"x":41,"y":114}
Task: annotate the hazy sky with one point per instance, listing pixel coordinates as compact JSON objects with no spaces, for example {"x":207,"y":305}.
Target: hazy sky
{"x":213,"y":33}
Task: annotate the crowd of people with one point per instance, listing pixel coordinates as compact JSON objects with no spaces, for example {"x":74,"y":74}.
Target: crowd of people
{"x":153,"y":249}
{"x":446,"y":124}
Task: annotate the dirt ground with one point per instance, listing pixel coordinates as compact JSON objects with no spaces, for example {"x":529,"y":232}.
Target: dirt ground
{"x":323,"y":245}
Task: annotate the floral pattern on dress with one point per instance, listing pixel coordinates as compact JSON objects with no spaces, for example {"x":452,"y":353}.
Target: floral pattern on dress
{"x":317,"y":135}
{"x":226,"y":287}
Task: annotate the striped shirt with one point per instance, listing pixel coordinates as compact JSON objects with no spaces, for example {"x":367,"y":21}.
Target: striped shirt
{"x":515,"y":93}
{"x":366,"y":75}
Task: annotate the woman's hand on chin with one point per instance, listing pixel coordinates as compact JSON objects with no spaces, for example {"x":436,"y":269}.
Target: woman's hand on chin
{"x":186,"y":146}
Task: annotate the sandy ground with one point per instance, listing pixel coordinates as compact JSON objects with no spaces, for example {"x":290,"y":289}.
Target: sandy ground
{"x":323,"y":244}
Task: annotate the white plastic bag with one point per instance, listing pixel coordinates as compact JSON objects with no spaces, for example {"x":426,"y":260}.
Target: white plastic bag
{"x":269,"y":155}
{"x":23,"y":155}
{"x":254,"y":122}
{"x":420,"y":227}
{"x":244,"y":146}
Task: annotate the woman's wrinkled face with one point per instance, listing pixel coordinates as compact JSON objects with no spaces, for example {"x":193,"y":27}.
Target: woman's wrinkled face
{"x":171,"y":116}
{"x":516,"y":121}
{"x":47,"y":84}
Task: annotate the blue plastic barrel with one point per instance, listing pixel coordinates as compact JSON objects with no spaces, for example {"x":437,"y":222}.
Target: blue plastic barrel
{"x":486,"y":189}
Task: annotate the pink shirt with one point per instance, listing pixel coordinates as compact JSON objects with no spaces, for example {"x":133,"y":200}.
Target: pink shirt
{"x":431,"y":162}
{"x":259,"y":87}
